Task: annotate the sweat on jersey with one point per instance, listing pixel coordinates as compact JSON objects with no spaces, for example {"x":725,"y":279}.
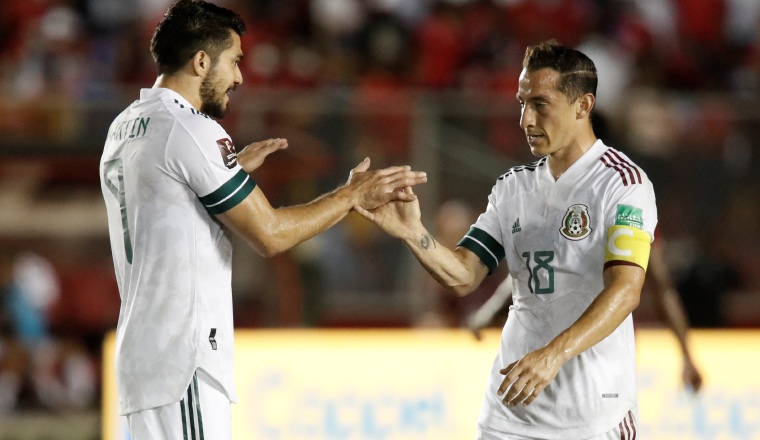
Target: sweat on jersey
{"x":557,"y":237}
{"x":166,"y":169}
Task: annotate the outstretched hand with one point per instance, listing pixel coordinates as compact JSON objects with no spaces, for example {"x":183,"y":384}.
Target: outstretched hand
{"x":252,"y":156}
{"x":396,"y":218}
{"x":372,"y":189}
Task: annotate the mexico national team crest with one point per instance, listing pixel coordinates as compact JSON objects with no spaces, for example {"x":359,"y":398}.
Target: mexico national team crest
{"x":227,"y":149}
{"x":576,"y":224}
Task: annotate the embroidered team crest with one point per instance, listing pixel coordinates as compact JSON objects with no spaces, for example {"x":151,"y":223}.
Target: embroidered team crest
{"x":227,"y":149}
{"x":576,"y":225}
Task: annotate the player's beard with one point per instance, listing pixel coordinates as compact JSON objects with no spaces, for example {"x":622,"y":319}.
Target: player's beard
{"x":212,"y":99}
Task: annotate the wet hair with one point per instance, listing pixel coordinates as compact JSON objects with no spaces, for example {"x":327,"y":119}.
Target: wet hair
{"x":577,"y":71}
{"x":190,"y":26}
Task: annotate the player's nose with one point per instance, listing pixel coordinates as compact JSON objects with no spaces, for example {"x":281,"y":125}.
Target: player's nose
{"x":527,"y":119}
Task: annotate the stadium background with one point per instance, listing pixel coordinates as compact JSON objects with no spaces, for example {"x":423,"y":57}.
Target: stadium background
{"x":424,"y":82}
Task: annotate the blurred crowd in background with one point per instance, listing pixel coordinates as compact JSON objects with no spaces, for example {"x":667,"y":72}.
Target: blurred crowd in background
{"x":84,"y":48}
{"x":426,"y":82}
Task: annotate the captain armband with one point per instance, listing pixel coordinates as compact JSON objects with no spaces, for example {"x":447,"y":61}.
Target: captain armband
{"x":627,"y":245}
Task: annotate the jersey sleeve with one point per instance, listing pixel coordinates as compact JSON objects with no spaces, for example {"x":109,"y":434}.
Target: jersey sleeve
{"x":631,"y":220}
{"x":484,"y":237}
{"x":204,"y":156}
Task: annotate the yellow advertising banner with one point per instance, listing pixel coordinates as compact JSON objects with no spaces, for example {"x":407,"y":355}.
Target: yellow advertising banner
{"x":728,"y":406}
{"x":428,"y":384}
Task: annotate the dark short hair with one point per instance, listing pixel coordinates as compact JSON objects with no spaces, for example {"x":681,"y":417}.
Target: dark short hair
{"x":188,"y":27}
{"x":577,"y":71}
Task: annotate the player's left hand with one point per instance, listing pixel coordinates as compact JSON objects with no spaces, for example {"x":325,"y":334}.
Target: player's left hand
{"x":252,"y":156}
{"x":526,"y":378}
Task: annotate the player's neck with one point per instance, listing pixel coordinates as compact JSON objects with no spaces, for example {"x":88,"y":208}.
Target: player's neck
{"x":564,"y":158}
{"x":186,"y":86}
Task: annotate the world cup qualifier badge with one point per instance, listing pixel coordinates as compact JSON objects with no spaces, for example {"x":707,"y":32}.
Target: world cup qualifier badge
{"x":576,"y":224}
{"x":227,"y":149}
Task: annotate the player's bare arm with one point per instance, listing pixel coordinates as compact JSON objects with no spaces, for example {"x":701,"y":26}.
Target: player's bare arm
{"x":459,"y":270}
{"x":526,"y":378}
{"x":273,"y":230}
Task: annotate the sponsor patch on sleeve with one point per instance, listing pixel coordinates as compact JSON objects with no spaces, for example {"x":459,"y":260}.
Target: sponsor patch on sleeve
{"x":227,"y":150}
{"x":629,"y":216}
{"x":627,"y":245}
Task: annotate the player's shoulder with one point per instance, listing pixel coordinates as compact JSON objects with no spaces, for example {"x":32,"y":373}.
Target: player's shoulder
{"x":187,"y":116}
{"x":617,"y":168}
{"x":193,"y":124}
{"x":521,"y":172}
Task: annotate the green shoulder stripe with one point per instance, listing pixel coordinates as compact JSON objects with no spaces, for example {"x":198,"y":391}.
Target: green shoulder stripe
{"x":484,"y":246}
{"x":229,"y":194}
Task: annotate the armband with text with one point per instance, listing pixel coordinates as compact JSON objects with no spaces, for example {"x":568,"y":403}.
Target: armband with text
{"x":627,"y":245}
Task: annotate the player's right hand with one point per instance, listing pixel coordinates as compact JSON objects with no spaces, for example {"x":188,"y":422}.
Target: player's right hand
{"x":397,"y":218}
{"x":371,"y":189}
{"x":253,"y":155}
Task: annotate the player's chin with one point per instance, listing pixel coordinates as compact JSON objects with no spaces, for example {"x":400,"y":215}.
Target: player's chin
{"x":539,"y":148}
{"x":222,"y":110}
{"x":537,"y":152}
{"x":223,"y":103}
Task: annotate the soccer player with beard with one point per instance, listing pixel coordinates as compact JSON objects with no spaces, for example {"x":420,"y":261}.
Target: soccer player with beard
{"x":173,"y":185}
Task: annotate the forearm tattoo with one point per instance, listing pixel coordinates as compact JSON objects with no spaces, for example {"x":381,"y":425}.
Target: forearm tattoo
{"x":426,"y":241}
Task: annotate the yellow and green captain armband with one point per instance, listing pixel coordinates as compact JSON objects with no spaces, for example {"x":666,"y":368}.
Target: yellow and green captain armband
{"x":627,"y":242}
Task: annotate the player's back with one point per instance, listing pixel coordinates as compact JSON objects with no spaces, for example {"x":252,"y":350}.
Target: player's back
{"x":171,"y":257}
{"x":135,"y":172}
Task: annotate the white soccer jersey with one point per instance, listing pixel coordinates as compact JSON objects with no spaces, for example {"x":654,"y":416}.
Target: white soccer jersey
{"x":557,"y":238}
{"x":165,"y":171}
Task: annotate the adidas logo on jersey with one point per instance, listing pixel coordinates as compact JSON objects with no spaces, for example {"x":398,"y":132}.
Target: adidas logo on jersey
{"x":516,"y":226}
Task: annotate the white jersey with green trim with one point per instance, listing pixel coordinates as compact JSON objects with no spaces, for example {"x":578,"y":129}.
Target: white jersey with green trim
{"x":554,"y":236}
{"x":166,"y":170}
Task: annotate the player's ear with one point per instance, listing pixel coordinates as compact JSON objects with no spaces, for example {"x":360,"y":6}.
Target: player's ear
{"x":201,"y":63}
{"x":584,"y":106}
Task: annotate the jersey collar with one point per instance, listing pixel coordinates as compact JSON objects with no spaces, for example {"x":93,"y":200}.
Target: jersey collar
{"x":162,"y":93}
{"x":582,"y":164}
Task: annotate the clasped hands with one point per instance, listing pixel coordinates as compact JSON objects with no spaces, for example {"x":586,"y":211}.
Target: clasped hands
{"x":375,"y":194}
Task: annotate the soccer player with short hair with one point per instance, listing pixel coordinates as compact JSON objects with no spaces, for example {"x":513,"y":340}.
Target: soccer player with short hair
{"x":174,"y":185}
{"x":575,"y":229}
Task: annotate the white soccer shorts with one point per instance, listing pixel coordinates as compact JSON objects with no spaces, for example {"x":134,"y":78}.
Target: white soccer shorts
{"x":627,"y":429}
{"x":204,"y":413}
